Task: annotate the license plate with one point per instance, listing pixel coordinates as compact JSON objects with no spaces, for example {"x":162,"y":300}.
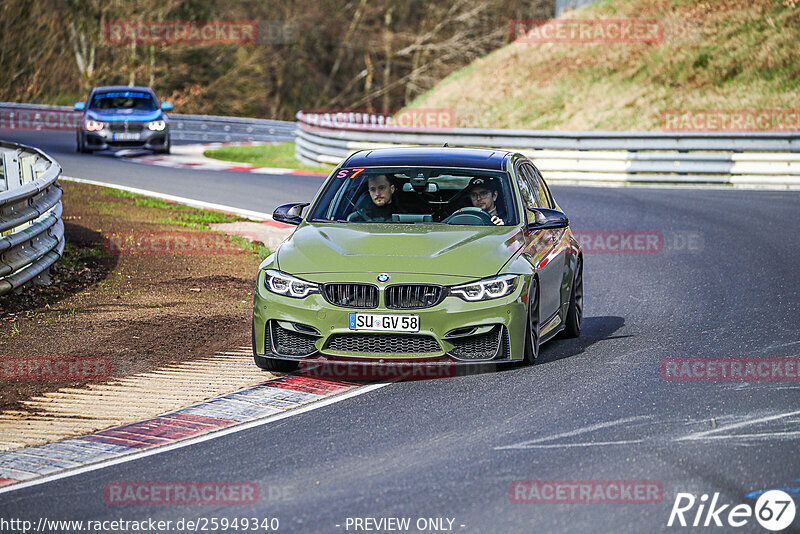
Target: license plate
{"x":126,"y":137}
{"x":384,"y":323}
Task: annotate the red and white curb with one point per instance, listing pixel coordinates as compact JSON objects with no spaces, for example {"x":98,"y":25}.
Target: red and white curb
{"x":192,"y":157}
{"x":254,"y":406}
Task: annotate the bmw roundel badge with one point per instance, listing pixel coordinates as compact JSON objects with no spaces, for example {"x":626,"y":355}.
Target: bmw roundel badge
{"x":383,"y":277}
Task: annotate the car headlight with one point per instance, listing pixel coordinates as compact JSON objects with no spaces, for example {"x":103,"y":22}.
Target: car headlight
{"x":93,"y":125}
{"x":157,"y":126}
{"x":289,"y":286}
{"x":490,"y":288}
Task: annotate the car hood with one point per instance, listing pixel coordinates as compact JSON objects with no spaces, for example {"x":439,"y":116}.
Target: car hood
{"x":468,"y":251}
{"x":111,"y":115}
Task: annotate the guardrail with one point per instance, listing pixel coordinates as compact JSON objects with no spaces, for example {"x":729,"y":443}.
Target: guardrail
{"x":588,"y":157}
{"x":210,"y":128}
{"x":31,"y":229}
{"x":215,"y":128}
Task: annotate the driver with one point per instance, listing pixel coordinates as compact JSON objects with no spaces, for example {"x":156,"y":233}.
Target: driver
{"x":381,"y":192}
{"x":483,"y":194}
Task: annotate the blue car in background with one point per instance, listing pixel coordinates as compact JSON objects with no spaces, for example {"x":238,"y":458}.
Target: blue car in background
{"x":123,"y":117}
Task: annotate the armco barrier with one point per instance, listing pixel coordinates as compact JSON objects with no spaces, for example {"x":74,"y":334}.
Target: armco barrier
{"x":31,"y":230}
{"x":770,"y":159}
{"x":200,"y":128}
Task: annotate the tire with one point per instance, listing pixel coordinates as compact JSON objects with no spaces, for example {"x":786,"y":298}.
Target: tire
{"x":167,"y":146}
{"x":275,"y":365}
{"x":575,"y":311}
{"x":80,"y":148}
{"x":531,"y":351}
{"x":270,"y":364}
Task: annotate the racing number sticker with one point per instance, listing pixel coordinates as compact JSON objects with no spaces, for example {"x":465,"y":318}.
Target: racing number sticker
{"x":344,"y":172}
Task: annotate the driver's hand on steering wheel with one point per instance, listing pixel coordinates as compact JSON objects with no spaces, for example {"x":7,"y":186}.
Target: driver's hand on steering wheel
{"x":497,"y":220}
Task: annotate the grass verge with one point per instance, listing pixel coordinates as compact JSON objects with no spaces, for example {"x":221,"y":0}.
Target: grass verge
{"x":278,"y":155}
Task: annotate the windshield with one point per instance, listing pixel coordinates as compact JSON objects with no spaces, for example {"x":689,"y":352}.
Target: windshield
{"x":124,"y":100}
{"x":417,"y":195}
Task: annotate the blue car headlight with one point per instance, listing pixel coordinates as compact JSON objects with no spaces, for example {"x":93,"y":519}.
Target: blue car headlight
{"x":287,"y":285}
{"x":157,"y":126}
{"x":487,"y":289}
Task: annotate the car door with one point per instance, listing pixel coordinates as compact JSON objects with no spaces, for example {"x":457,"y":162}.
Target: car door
{"x":558,"y":240}
{"x":538,"y":248}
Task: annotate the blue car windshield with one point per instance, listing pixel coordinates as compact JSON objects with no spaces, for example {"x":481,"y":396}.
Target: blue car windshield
{"x":124,"y":100}
{"x":417,"y":195}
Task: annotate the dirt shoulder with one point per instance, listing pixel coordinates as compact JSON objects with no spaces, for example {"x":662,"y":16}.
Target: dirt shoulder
{"x":143,"y":284}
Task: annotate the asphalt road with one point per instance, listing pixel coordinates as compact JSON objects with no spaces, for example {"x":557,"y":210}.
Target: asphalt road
{"x":594,"y":408}
{"x":257,"y":192}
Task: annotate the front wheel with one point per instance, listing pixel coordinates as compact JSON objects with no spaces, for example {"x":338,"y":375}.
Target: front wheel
{"x":167,"y":146}
{"x":273,"y":364}
{"x":575,"y":310}
{"x":532,"y":326}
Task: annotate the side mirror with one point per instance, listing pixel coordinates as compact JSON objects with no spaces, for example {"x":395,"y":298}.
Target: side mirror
{"x":291,"y":213}
{"x":166,"y":106}
{"x":547,"y":219}
{"x":79,"y":106}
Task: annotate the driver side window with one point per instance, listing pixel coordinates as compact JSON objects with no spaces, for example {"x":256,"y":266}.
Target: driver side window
{"x":537,"y":186}
{"x":525,"y":190}
{"x":528,"y":198}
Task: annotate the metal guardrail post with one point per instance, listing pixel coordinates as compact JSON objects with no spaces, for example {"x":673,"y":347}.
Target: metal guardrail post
{"x":11,"y":170}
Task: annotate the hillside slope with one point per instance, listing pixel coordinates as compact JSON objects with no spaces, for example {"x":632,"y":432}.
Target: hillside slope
{"x":714,"y":55}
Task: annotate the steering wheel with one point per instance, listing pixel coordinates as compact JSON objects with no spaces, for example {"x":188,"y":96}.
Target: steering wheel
{"x":356,"y":216}
{"x":470,"y":215}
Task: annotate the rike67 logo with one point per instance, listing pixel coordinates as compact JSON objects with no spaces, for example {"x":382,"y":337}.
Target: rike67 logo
{"x":774,"y":510}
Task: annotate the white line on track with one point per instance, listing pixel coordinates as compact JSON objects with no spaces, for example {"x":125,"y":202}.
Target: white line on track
{"x":780,"y":345}
{"x":572,"y":445}
{"x":748,"y":422}
{"x":247,"y":214}
{"x":549,"y":442}
{"x":192,"y":441}
{"x":590,"y":428}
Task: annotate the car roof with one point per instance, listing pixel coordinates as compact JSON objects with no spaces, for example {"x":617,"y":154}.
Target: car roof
{"x":107,"y":88}
{"x":470,"y":158}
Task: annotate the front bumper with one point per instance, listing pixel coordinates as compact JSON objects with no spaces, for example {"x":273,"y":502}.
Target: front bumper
{"x":105,"y":139}
{"x":312,"y":328}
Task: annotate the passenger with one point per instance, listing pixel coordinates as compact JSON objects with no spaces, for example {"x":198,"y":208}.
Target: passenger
{"x":384,"y":204}
{"x":483,"y":194}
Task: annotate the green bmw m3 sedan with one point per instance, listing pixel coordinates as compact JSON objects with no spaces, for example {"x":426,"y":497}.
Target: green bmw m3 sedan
{"x":425,"y":255}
